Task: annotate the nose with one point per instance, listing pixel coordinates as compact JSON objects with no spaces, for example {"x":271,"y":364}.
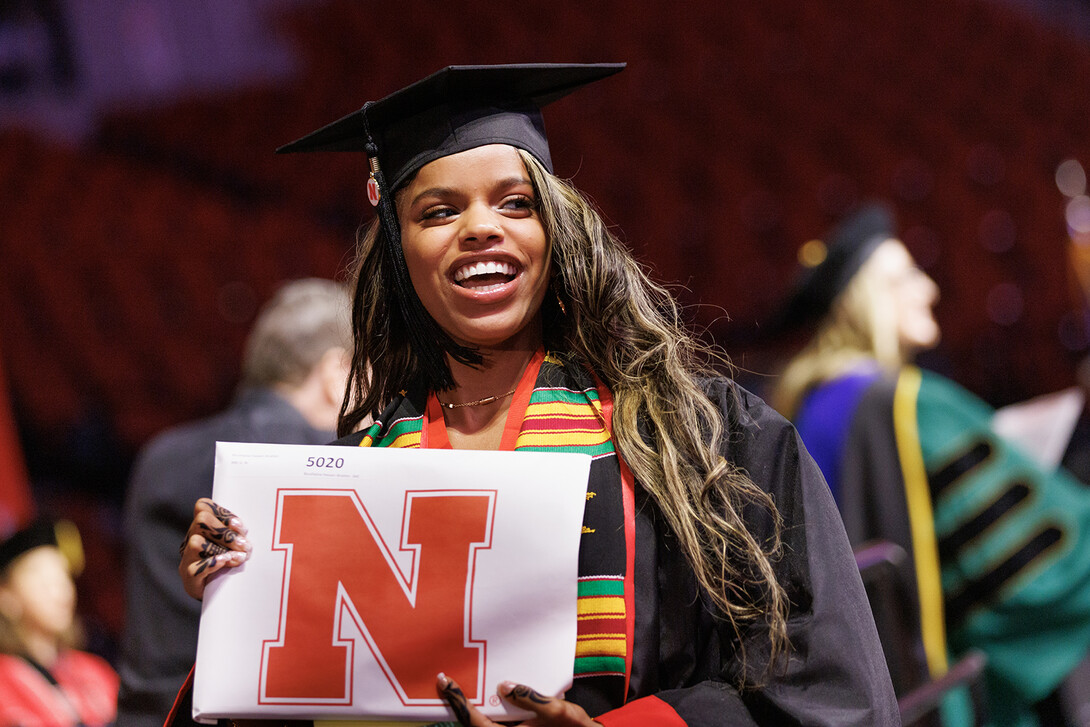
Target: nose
{"x":481,"y":225}
{"x":933,"y":292}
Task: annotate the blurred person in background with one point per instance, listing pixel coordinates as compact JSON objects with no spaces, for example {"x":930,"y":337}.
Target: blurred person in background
{"x":998,"y":546}
{"x":44,"y":680}
{"x":294,"y":371}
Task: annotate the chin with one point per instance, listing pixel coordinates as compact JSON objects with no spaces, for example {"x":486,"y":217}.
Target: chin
{"x":497,"y":334}
{"x":919,"y":344}
{"x":486,"y":343}
{"x":932,"y":338}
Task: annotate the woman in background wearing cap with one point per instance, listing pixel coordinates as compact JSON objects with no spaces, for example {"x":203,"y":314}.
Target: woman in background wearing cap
{"x":495,"y":310}
{"x":999,"y":547}
{"x":43,"y":681}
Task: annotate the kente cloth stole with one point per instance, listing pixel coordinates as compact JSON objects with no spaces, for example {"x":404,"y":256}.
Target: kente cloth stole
{"x":569,"y":412}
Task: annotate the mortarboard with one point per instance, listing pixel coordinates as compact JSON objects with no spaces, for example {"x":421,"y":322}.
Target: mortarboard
{"x":826,"y":266}
{"x":453,"y":110}
{"x":61,"y":534}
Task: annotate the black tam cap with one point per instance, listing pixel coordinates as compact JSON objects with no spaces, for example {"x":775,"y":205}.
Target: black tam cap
{"x":61,"y":534}
{"x":453,"y":110}
{"x":826,"y":266}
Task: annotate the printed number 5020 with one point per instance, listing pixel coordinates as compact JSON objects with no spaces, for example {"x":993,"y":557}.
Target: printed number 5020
{"x":326,"y":462}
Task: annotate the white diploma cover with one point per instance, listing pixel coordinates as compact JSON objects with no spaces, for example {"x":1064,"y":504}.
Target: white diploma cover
{"x":375,"y":569}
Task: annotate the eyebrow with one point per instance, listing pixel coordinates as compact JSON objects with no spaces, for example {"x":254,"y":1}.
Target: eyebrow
{"x":446,"y":191}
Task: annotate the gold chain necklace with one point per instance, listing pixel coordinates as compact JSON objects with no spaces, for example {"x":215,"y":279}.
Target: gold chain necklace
{"x":478,"y":402}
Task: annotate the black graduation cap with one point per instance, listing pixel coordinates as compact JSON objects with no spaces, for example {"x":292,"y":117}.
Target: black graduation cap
{"x":61,"y":534}
{"x":453,"y":110}
{"x":826,"y":266}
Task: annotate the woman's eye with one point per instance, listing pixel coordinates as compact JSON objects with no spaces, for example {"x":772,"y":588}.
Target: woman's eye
{"x":437,"y":213}
{"x":520,"y":203}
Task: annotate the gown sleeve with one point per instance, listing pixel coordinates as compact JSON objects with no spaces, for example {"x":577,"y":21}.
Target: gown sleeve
{"x":685,"y":665}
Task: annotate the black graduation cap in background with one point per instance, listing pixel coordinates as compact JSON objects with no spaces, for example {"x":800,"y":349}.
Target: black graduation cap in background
{"x":827,"y":265}
{"x":453,"y":110}
{"x":60,"y":534}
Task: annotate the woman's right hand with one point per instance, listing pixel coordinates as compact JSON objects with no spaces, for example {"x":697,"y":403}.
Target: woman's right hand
{"x":215,"y":541}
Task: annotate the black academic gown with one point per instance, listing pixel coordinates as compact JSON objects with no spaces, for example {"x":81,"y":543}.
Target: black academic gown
{"x":688,"y":657}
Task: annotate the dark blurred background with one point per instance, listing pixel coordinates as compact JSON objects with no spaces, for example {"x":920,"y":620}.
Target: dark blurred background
{"x":144,"y":217}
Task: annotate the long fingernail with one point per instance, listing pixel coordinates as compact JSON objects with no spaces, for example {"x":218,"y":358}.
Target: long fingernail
{"x":505,"y":688}
{"x":238,"y":557}
{"x":237,"y":525}
{"x":244,"y":543}
{"x":443,"y":679}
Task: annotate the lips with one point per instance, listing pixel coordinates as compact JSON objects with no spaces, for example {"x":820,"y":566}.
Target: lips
{"x":485,"y":275}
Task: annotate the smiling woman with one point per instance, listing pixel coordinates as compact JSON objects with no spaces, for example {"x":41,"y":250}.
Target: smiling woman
{"x":495,"y":310}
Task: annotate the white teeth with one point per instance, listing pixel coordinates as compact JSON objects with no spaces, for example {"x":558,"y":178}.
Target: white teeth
{"x":483,"y":268}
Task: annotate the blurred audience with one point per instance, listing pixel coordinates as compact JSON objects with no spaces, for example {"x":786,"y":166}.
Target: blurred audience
{"x":294,"y":371}
{"x":44,"y":680}
{"x":998,"y":546}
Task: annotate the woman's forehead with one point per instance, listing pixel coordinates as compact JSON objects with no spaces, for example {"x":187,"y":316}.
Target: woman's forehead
{"x":890,"y":255}
{"x":479,"y":162}
{"x":33,"y":561}
{"x":481,"y":169}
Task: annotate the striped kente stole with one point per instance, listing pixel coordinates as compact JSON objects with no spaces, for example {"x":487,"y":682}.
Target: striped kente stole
{"x":565,"y":414}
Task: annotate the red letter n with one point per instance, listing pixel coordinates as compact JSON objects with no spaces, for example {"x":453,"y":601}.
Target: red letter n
{"x":339,"y":565}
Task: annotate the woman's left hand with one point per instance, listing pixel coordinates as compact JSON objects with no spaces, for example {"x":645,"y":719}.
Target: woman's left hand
{"x":550,"y":711}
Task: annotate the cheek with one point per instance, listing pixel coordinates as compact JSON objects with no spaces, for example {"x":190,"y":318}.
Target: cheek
{"x":56,"y":598}
{"x":918,"y":327}
{"x":541,"y":251}
{"x":542,"y":280}
{"x":421,"y":260}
